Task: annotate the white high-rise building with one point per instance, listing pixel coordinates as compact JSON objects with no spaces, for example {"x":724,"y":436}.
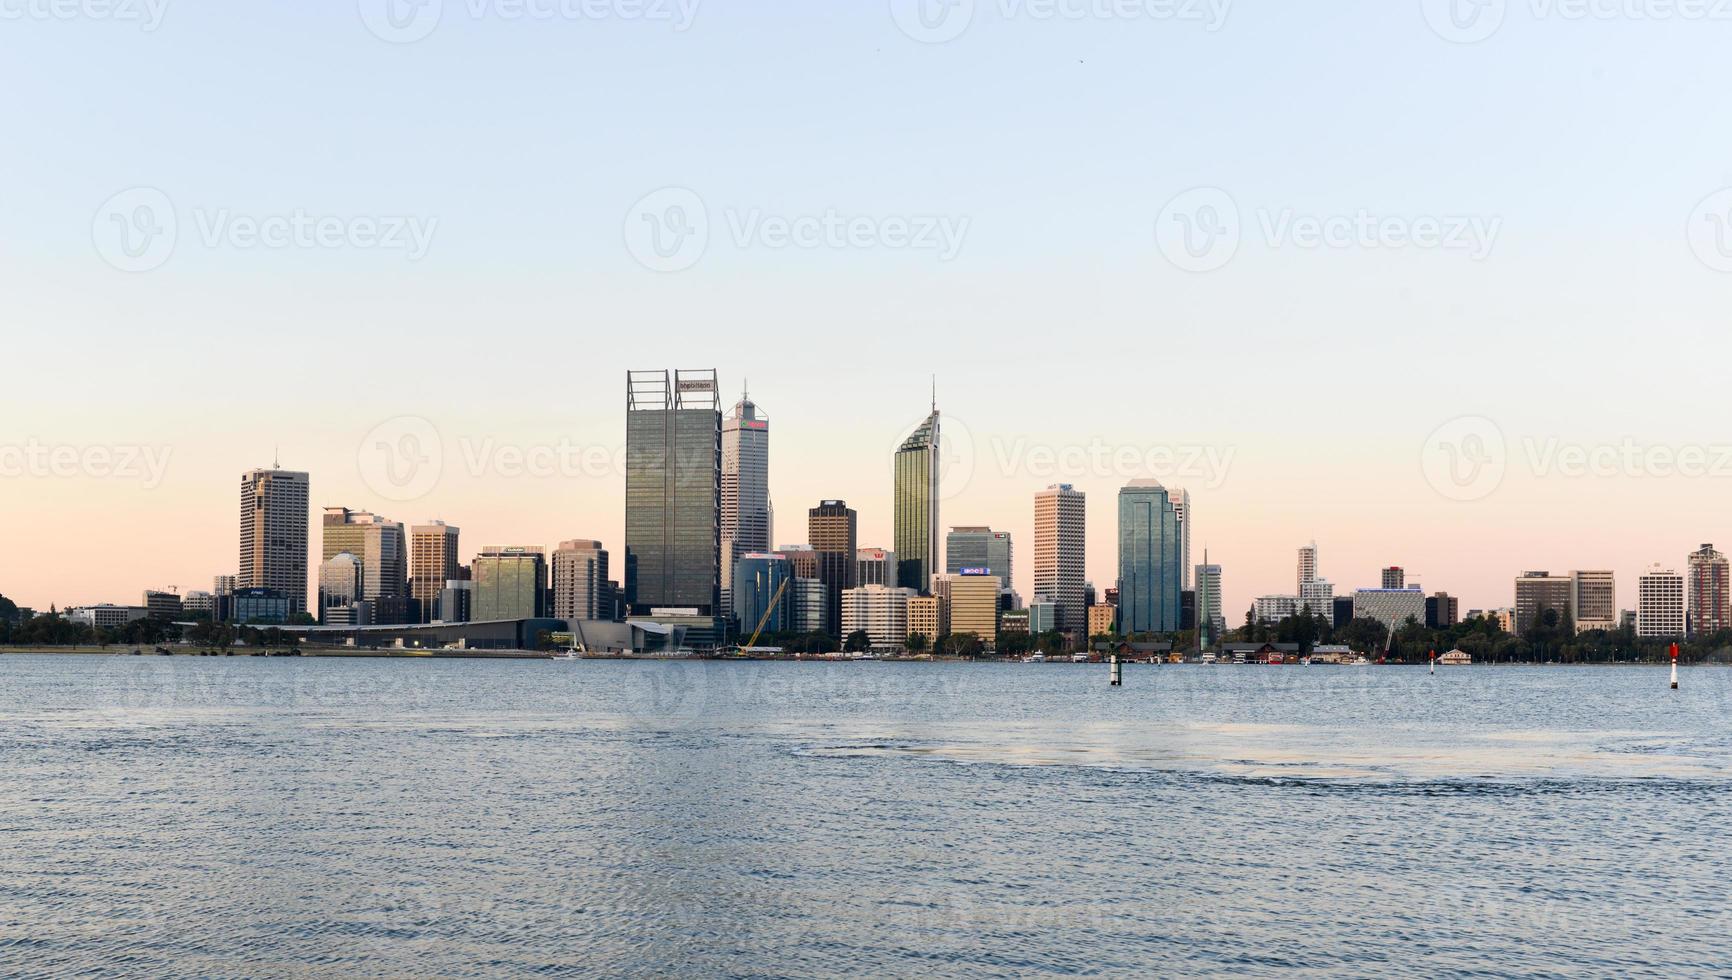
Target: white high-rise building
{"x":1594,"y":600}
{"x":880,"y":611}
{"x":1307,"y":565}
{"x":580,"y":589}
{"x":1319,"y":595}
{"x":1660,"y":603}
{"x":1060,"y":552}
{"x":746,"y":518}
{"x":1181,"y":499}
{"x":1274,"y":608}
{"x":274,"y":534}
{"x":875,"y":566}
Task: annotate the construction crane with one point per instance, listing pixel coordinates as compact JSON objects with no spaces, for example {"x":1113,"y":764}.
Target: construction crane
{"x":766,"y":617}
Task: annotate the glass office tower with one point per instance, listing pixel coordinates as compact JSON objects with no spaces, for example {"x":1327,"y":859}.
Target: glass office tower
{"x":673,"y":481}
{"x":916,"y":499}
{"x":1150,"y":578}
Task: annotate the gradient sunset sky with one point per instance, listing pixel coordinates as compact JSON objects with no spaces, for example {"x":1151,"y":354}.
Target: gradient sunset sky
{"x":1569,"y":352}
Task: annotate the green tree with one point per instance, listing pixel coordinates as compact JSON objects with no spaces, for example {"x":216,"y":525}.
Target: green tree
{"x":858,"y":642}
{"x":918,"y":643}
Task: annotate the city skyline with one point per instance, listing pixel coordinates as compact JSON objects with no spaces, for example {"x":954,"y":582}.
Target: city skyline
{"x":1239,"y":585}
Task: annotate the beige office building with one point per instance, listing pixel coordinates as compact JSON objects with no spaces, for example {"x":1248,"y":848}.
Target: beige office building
{"x":971,"y":603}
{"x":379,"y":544}
{"x":580,"y":590}
{"x":1101,"y":619}
{"x":1060,"y":530}
{"x":926,"y":617}
{"x":432,"y":563}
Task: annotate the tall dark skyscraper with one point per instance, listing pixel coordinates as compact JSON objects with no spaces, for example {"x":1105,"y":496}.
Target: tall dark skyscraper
{"x":916,"y":501}
{"x":673,"y":492}
{"x":1149,"y":578}
{"x":746,"y":523}
{"x":835,"y":533}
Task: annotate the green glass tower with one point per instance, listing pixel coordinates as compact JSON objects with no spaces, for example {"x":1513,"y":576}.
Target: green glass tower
{"x":916,"y":496}
{"x":1149,"y":564}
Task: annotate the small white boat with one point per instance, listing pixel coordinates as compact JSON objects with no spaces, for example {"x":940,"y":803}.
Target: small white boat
{"x":1035,"y":658}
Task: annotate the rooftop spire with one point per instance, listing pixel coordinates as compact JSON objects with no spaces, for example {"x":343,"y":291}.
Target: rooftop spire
{"x":935,"y":393}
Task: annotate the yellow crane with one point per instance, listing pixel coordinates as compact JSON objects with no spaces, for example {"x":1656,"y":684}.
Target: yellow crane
{"x":771,"y":608}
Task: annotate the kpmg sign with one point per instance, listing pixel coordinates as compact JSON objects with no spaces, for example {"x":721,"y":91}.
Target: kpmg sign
{"x":974,"y":571}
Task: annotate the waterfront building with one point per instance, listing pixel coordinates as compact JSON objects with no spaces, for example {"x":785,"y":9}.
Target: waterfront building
{"x":972,"y":548}
{"x":163,"y":606}
{"x":1060,"y":552}
{"x":432,"y":563}
{"x":199,"y":603}
{"x":510,"y":583}
{"x":1044,"y":616}
{"x":1391,"y":607}
{"x":1182,"y":519}
{"x":1343,"y":610}
{"x":456,"y":601}
{"x":759,"y":580}
{"x":875,"y":566}
{"x":1274,"y":608}
{"x":746,"y":518}
{"x":262,"y":607}
{"x":810,"y":603}
{"x":1318,"y":595}
{"x":1535,"y":592}
{"x":1307,"y":566}
{"x":106,"y":616}
{"x":881,"y":612}
{"x":580,"y":585}
{"x":273,"y":552}
{"x":342,"y":584}
{"x":1101,"y":618}
{"x":1442,"y":611}
{"x":915,"y":495}
{"x":381,"y":546}
{"x":971,"y":603}
{"x":1660,"y":604}
{"x":1708,"y":594}
{"x":834,"y":531}
{"x":673,"y":493}
{"x":1594,"y":600}
{"x":1014,"y":622}
{"x":926,"y":618}
{"x":1149,"y":579}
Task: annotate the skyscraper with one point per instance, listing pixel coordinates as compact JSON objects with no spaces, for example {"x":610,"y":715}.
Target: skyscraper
{"x":1307,"y":567}
{"x":273,"y":553}
{"x":1594,"y":600}
{"x":1210,"y":621}
{"x":834,"y":530}
{"x":673,"y":493}
{"x":1394,"y":578}
{"x":979,"y":547}
{"x":1060,"y":532}
{"x":380,"y":545}
{"x":875,"y":566}
{"x":580,"y":590}
{"x":915,"y":493}
{"x":1709,"y":613}
{"x":763,"y":593}
{"x":1181,"y":499}
{"x":510,"y":583}
{"x":745,"y":489}
{"x":432,"y":563}
{"x":1149,"y":579}
{"x":1536,"y":592}
{"x":1660,"y":604}
{"x":341,"y":587}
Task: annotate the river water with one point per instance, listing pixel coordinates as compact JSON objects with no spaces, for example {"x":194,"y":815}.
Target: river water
{"x":324,"y":817}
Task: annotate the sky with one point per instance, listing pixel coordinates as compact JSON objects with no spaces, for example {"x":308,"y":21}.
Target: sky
{"x":1436,"y":287}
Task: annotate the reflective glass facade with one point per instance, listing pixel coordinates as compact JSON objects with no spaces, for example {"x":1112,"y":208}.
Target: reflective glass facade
{"x":673,"y":493}
{"x":1150,"y":577}
{"x":915,"y":492}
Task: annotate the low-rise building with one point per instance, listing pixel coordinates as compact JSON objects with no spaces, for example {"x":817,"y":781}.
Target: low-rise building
{"x":879,"y":611}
